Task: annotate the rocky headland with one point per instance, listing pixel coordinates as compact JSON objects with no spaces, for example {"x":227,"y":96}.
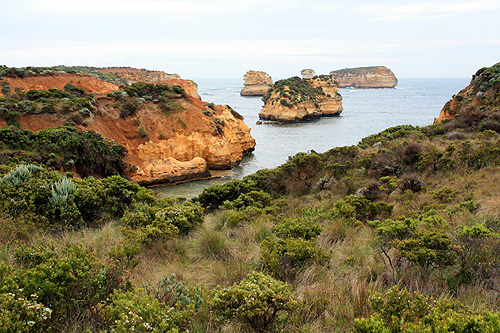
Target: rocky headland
{"x":296,"y":100}
{"x":481,"y":96}
{"x":256,"y":83}
{"x":171,"y":135}
{"x":365,"y":77}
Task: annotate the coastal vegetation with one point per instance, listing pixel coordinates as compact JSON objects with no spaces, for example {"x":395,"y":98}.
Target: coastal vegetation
{"x":399,"y":233}
{"x":293,"y":90}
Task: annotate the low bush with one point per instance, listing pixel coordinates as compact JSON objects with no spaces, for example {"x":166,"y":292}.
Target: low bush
{"x":399,"y":311}
{"x":255,"y":301}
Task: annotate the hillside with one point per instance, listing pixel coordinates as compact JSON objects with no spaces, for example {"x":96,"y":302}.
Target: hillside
{"x":399,"y":233}
{"x":169,"y":133}
{"x":481,"y":97}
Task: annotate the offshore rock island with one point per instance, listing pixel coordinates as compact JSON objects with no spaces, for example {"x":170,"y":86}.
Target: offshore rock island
{"x":365,"y":77}
{"x":256,"y":83}
{"x":170,"y":134}
{"x":296,"y":100}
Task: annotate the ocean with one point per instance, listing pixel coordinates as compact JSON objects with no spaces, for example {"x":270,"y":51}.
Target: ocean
{"x":414,"y":101}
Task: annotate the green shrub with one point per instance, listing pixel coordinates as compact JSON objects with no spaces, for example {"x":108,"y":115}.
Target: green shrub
{"x":142,"y":132}
{"x":398,"y":311}
{"x":185,"y":216}
{"x":67,"y":283}
{"x":255,"y":301}
{"x":20,"y":173}
{"x":136,"y":311}
{"x":445,"y":195}
{"x":297,"y":228}
{"x":285,"y":257}
{"x":19,"y":312}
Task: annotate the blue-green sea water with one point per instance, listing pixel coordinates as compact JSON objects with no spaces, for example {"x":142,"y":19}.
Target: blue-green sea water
{"x":415,"y":101}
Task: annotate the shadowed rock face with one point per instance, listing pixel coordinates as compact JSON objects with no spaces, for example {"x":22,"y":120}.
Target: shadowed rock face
{"x":296,"y":100}
{"x":307,"y":73}
{"x":365,"y":77}
{"x":256,"y":83}
{"x":481,"y":95}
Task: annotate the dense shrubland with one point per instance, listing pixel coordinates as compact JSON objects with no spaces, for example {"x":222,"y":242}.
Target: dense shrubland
{"x":400,"y":233}
{"x":32,"y":71}
{"x":294,"y":90}
{"x":63,"y":148}
{"x":130,"y":98}
{"x":72,"y":102}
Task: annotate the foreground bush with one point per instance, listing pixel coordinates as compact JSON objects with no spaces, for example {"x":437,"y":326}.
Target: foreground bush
{"x":398,"y":311}
{"x":255,"y":301}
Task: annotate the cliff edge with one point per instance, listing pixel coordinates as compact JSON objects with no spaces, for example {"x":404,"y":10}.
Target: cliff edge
{"x":256,"y":83}
{"x":296,"y":99}
{"x":481,"y":95}
{"x":365,"y":77}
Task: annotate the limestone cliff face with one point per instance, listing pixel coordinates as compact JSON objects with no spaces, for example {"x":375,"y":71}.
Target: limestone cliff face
{"x":365,"y":77}
{"x":295,"y":100}
{"x":166,"y":145}
{"x":142,"y":75}
{"x":307,"y":73}
{"x":256,"y":83}
{"x":483,"y":93}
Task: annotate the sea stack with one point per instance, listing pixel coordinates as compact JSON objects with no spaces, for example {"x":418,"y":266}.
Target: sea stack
{"x":295,"y":100}
{"x":365,"y":77}
{"x":308,"y":73}
{"x":256,"y":83}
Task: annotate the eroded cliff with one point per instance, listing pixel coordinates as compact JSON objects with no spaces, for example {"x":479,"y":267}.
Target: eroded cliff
{"x":365,"y":77}
{"x":296,"y":99}
{"x":171,"y":135}
{"x":482,"y":95}
{"x":256,"y":83}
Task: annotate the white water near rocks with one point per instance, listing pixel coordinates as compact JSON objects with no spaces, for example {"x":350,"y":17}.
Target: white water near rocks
{"x":415,"y":101}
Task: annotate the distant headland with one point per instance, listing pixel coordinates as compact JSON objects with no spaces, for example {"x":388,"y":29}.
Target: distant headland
{"x":365,"y":77}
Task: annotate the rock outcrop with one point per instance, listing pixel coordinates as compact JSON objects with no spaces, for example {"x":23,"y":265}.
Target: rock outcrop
{"x":170,"y":139}
{"x":365,"y":77}
{"x":482,"y":96}
{"x":256,"y":83}
{"x":296,"y":99}
{"x":307,"y":73}
{"x":139,"y":75}
{"x":189,"y":86}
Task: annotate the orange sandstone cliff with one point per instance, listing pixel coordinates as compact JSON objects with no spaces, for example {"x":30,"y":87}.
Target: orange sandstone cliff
{"x":296,"y":99}
{"x":481,"y":95}
{"x":171,"y":145}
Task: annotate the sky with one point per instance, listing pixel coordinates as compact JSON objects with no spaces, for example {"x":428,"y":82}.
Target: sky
{"x":226,"y":38}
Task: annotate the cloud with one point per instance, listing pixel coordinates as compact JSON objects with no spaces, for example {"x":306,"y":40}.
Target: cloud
{"x":169,"y":9}
{"x":424,"y":10}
